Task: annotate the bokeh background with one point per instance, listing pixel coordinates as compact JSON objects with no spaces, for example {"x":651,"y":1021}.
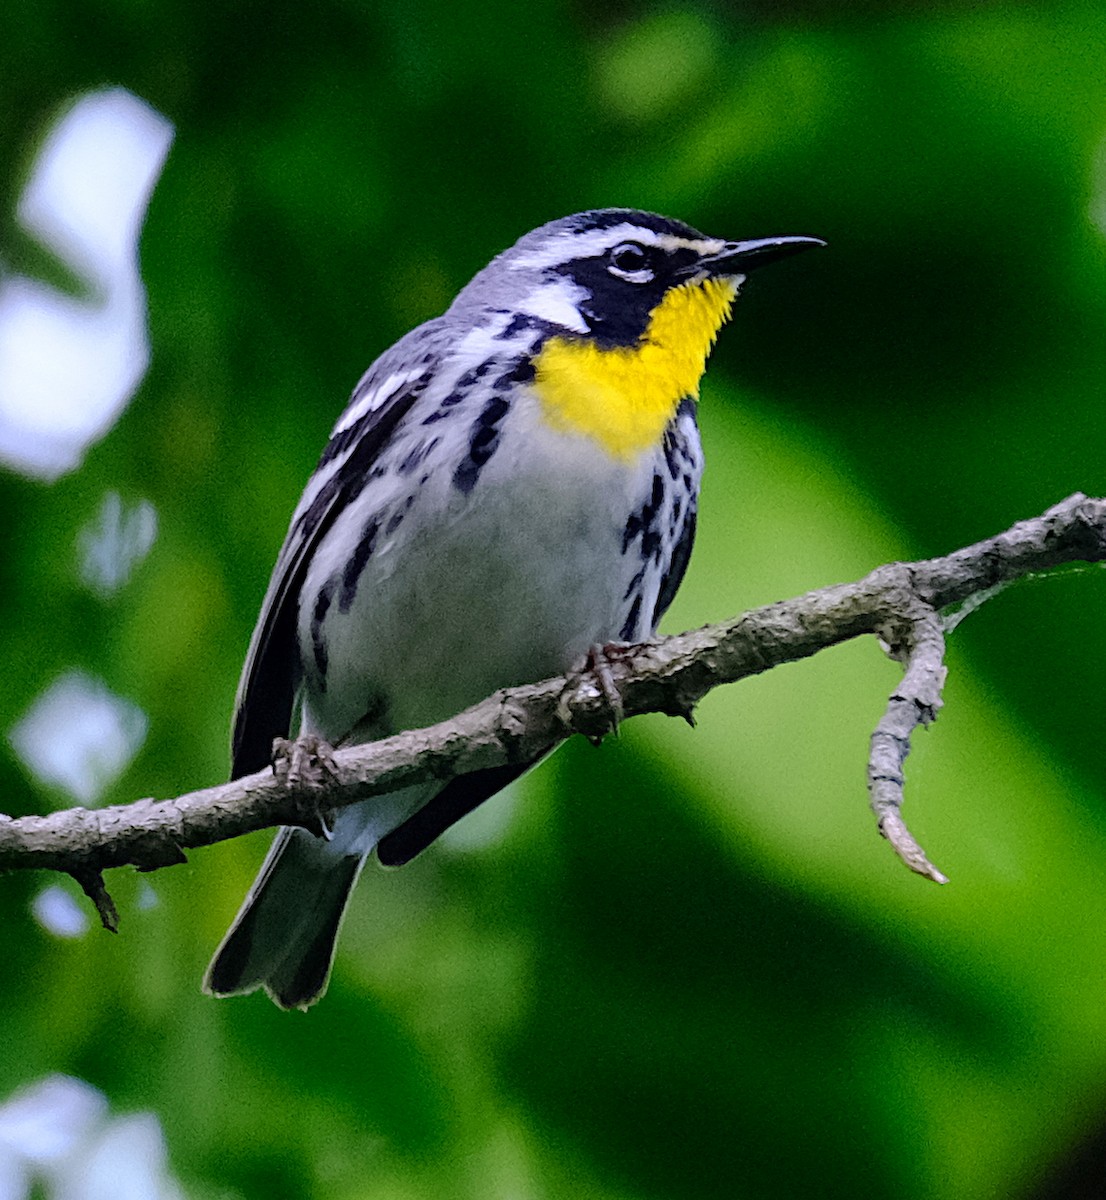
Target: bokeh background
{"x":683,"y":964}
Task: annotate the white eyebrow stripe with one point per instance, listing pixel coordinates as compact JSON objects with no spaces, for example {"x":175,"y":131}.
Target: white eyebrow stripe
{"x":701,"y":246}
{"x":566,"y":246}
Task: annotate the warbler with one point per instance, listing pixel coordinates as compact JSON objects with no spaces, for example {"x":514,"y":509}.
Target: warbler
{"x":512,"y":484}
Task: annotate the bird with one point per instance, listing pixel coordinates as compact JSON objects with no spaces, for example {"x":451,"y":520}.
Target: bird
{"x":512,"y":485}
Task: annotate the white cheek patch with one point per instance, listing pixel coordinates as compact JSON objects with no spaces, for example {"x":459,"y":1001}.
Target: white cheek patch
{"x":557,"y":301}
{"x":375,"y":398}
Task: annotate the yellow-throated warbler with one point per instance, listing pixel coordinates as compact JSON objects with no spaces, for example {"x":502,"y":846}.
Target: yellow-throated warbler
{"x":511,"y":484}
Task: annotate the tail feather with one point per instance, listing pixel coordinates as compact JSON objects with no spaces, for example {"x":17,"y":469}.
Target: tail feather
{"x":284,"y":935}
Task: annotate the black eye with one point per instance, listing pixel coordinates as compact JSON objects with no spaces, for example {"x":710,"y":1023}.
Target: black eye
{"x":629,"y":258}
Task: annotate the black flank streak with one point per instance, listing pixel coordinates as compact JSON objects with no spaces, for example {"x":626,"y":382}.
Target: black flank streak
{"x":643,"y":524}
{"x":672,"y":453}
{"x":416,"y":455}
{"x":468,"y":379}
{"x":675,"y":444}
{"x":483,"y":441}
{"x":356,"y":565}
{"x":464,"y":478}
{"x":318,"y":646}
{"x":494,"y":411}
{"x":520,"y":372}
{"x":677,"y":566}
{"x":633,"y":528}
{"x":627,"y":631}
{"x":682,"y":518}
{"x":482,"y":444}
{"x":519,"y":323}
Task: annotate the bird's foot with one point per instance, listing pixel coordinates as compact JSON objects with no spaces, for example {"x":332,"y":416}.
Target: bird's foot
{"x":307,"y":763}
{"x":595,"y":667}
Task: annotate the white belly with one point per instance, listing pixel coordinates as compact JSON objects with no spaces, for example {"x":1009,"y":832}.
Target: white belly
{"x":508,"y":584}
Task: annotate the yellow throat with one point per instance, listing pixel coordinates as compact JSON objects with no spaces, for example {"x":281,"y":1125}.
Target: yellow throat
{"x":623,"y":397}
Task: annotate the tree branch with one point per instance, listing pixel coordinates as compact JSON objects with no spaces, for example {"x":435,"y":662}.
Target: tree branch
{"x":901,"y":603}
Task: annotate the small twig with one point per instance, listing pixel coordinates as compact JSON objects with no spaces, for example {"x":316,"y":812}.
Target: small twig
{"x":92,"y":884}
{"x":916,"y":701}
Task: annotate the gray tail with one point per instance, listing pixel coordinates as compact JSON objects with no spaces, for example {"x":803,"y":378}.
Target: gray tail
{"x":284,"y":935}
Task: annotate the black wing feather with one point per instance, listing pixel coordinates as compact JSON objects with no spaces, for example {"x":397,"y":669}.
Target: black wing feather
{"x":267,"y":693}
{"x":457,"y":799}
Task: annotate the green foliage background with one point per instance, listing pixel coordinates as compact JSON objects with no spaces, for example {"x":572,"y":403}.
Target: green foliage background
{"x":683,"y":965}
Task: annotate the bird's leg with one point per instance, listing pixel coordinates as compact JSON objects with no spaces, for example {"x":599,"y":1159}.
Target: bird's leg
{"x":307,"y":762}
{"x":597,"y":663}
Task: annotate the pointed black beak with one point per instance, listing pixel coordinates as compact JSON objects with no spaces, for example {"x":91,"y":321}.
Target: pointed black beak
{"x":738,"y":258}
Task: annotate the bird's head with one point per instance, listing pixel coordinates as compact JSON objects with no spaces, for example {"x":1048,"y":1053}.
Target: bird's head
{"x":628,"y":304}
